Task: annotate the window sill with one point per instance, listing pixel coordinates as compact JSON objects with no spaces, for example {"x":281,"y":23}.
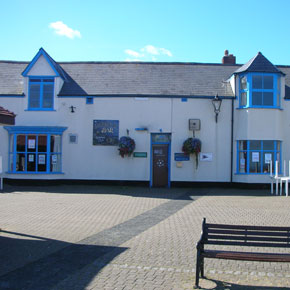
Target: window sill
{"x":37,"y":110}
{"x":28,"y":172}
{"x":275,"y":108}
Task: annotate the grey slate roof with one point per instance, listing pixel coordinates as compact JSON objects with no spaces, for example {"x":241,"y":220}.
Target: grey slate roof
{"x":138,"y":78}
{"x":6,"y":117}
{"x":126,"y":78}
{"x":258,"y":63}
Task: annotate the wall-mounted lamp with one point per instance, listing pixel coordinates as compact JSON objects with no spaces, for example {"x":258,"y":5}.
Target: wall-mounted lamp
{"x":72,"y":109}
{"x":216,"y":102}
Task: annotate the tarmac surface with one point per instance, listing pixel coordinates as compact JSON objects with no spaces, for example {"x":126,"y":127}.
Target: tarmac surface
{"x":120,"y":237}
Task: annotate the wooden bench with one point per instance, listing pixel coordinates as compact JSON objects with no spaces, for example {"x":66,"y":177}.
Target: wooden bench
{"x":240,"y":235}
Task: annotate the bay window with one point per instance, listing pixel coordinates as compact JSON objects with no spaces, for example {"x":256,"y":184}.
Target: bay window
{"x":35,"y":149}
{"x":255,"y":156}
{"x":260,"y":90}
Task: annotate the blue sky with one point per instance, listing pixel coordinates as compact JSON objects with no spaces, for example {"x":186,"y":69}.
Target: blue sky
{"x":151,"y":30}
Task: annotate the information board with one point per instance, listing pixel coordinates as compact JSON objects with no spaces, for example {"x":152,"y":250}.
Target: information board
{"x":181,"y":157}
{"x":106,"y":132}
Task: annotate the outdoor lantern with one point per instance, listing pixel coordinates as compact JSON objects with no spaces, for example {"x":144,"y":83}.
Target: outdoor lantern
{"x":216,"y":102}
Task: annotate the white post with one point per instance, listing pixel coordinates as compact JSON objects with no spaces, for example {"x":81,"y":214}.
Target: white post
{"x":276,"y":176}
{"x":271,"y":176}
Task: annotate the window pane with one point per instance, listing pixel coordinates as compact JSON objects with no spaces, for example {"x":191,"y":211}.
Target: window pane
{"x":278,"y":144}
{"x":55,"y":143}
{"x":243,"y":145}
{"x":20,"y":162}
{"x":20,"y":147}
{"x":268,"y":99}
{"x":243,"y":83}
{"x":31,"y":143}
{"x":47,"y":96}
{"x":257,"y":99}
{"x":268,"y":145}
{"x":242,"y":162}
{"x":255,"y":162}
{"x":268,"y":82}
{"x":267,"y":158}
{"x":42,"y":143}
{"x":243,"y":99}
{"x":55,"y":163}
{"x":255,"y":145}
{"x":31,"y":162}
{"x":34,"y":95}
{"x":257,"y":82}
{"x":41,"y":166}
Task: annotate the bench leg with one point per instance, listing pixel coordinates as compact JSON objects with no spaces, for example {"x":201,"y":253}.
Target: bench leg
{"x":202,"y":267}
{"x":198,"y":264}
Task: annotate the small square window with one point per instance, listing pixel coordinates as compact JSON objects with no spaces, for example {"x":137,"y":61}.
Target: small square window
{"x":73,"y":138}
{"x":90,"y":100}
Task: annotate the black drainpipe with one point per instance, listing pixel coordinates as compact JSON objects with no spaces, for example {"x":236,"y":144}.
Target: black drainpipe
{"x":232,"y":140}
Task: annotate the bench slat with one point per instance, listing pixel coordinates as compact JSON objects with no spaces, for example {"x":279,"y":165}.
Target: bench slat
{"x":248,"y":244}
{"x":247,"y":256}
{"x":249,"y":233}
{"x":249,"y":238}
{"x":267,"y":228}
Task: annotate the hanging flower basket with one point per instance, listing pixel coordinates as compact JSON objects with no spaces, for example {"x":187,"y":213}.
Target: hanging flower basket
{"x":126,"y":146}
{"x":192,"y":146}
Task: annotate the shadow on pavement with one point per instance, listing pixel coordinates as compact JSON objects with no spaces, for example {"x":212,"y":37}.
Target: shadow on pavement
{"x":184,"y":193}
{"x":31,"y":262}
{"x":222,"y":285}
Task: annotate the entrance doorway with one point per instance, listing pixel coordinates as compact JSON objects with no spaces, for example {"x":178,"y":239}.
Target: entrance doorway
{"x":160,"y":168}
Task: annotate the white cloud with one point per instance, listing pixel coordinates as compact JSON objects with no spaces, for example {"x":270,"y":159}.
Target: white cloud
{"x":133,"y":53}
{"x":62,"y":29}
{"x":165,"y":51}
{"x":147,"y":52}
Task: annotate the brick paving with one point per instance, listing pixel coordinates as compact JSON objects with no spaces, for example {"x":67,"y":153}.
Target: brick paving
{"x":100,"y":237}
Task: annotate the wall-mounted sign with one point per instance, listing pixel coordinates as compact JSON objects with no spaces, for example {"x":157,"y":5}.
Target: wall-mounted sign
{"x":41,"y":159}
{"x":31,"y":143}
{"x":255,"y":157}
{"x":181,"y":157}
{"x":30,"y":157}
{"x":194,"y":124}
{"x":206,"y":157}
{"x":140,"y":154}
{"x":106,"y":132}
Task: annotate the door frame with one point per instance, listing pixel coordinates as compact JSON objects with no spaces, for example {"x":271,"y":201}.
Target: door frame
{"x":168,"y":154}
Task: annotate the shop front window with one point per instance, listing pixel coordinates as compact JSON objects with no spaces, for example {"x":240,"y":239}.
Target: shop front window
{"x":255,"y":156}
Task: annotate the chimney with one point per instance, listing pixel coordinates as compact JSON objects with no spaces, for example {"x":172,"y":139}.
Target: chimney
{"x":228,"y":58}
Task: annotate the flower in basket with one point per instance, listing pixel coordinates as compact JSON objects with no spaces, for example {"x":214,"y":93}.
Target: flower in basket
{"x":192,"y":146}
{"x":126,"y":146}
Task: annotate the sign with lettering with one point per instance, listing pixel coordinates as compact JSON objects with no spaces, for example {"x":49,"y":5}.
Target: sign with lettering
{"x":181,"y":157}
{"x":140,"y":154}
{"x":106,"y":132}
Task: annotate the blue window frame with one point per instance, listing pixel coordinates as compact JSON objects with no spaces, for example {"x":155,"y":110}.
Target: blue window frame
{"x":40,"y":93}
{"x":35,"y":149}
{"x":254,"y":156}
{"x":260,"y":90}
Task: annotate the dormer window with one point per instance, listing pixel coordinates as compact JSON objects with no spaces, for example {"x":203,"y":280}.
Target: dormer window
{"x":259,"y":90}
{"x":41,"y":93}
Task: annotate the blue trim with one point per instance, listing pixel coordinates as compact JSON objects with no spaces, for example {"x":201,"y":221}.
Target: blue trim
{"x":249,"y":90}
{"x":12,"y":96}
{"x":149,"y":96}
{"x":40,"y":110}
{"x":41,"y":84}
{"x":169,"y":158}
{"x":89,"y":100}
{"x":35,"y":129}
{"x":40,"y":53}
{"x":261,"y":151}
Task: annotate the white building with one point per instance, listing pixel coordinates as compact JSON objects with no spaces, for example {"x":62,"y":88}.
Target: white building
{"x":70,"y":117}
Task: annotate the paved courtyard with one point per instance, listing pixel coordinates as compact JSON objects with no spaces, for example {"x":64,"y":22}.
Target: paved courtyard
{"x":101,"y":237}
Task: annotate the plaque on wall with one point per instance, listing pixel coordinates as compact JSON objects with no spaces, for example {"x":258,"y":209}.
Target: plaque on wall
{"x":106,"y":132}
